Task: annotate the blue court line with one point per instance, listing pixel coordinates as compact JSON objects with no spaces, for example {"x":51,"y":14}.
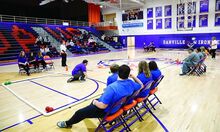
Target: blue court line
{"x":165,"y":129}
{"x":29,"y":120}
{"x":21,"y":122}
{"x":54,"y":90}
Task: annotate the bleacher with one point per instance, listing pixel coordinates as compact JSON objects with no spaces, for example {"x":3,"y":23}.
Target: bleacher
{"x":14,"y":38}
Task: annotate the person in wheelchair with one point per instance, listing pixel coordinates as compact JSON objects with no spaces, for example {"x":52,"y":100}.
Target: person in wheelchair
{"x":191,"y":61}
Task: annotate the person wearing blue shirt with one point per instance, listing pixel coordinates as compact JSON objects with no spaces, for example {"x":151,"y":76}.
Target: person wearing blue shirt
{"x":114,"y":70}
{"x":123,"y":87}
{"x":144,"y":76}
{"x":23,"y":63}
{"x":40,"y":60}
{"x":79,"y":72}
{"x":155,"y":72}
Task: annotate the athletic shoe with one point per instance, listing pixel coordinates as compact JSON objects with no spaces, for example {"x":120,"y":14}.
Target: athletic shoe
{"x":182,"y":74}
{"x":70,"y":80}
{"x":61,"y":124}
{"x":82,"y":79}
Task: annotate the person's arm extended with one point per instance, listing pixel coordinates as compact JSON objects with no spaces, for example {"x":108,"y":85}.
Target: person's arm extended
{"x":85,"y":73}
{"x":137,"y":80}
{"x":100,"y":105}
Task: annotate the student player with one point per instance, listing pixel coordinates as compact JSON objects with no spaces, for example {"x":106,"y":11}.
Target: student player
{"x":114,"y":77}
{"x":155,"y":71}
{"x":190,"y":61}
{"x":79,"y":72}
{"x":144,"y":75}
{"x":114,"y":92}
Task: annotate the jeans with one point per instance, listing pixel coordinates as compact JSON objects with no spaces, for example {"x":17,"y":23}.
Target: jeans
{"x":90,"y":111}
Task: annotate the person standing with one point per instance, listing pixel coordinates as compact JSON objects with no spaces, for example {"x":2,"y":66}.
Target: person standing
{"x":63,"y":53}
{"x":213,"y":47}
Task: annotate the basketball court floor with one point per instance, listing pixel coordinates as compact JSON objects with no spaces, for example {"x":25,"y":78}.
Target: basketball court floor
{"x":189,"y":103}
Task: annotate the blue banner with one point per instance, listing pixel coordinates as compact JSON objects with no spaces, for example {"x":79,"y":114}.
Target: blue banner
{"x":158,"y":12}
{"x":191,"y":8}
{"x":168,"y":23}
{"x":204,"y":6}
{"x":203,"y":20}
{"x":180,"y":22}
{"x":158,"y":23}
{"x":149,"y":12}
{"x":168,"y":10}
{"x":130,"y":25}
{"x":150,"y":24}
{"x":217,"y":5}
{"x":191,"y":21}
{"x":180,"y":9}
{"x":177,"y":40}
{"x":217,"y":19}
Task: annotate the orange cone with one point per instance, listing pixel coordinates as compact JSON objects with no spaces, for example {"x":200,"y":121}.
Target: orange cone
{"x":66,"y":68}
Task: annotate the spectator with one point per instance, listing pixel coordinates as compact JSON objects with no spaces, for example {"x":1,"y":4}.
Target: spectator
{"x":23,"y":63}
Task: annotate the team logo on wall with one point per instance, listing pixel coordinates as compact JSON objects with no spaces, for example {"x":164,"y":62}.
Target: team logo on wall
{"x":168,"y":10}
{"x":204,"y":6}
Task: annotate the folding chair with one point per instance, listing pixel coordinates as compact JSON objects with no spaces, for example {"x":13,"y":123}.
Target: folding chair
{"x":133,"y":106}
{"x":49,"y":61}
{"x":198,"y":68}
{"x":153,"y":91}
{"x":113,"y":117}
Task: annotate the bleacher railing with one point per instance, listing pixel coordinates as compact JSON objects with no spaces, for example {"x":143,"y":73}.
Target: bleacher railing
{"x":35,"y":20}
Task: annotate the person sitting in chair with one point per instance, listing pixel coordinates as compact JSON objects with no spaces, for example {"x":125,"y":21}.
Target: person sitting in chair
{"x":123,"y":87}
{"x":190,"y":61}
{"x":23,"y":63}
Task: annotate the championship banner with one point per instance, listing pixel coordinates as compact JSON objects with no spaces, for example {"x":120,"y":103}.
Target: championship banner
{"x":204,"y":6}
{"x":191,"y":21}
{"x":203,"y":20}
{"x":149,"y":12}
{"x":168,"y":10}
{"x":158,"y":12}
{"x":217,"y":5}
{"x":217,"y":19}
{"x":158,"y":23}
{"x":181,"y":9}
{"x":168,"y":23}
{"x":191,"y":8}
{"x":150,"y":24}
{"x":180,"y":22}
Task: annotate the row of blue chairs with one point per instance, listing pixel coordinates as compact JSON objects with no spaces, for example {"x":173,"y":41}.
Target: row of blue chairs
{"x":124,"y":116}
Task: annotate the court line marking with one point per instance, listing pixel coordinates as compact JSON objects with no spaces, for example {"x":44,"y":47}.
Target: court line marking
{"x":56,"y":91}
{"x":66,"y":105}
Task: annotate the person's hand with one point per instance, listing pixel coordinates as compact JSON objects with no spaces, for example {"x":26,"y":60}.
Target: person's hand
{"x":131,"y":75}
{"x":94,"y":101}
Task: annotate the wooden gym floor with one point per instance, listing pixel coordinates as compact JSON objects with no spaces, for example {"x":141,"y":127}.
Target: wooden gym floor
{"x":190,"y":103}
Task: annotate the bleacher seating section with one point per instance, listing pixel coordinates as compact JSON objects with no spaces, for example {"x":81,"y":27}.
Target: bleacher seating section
{"x":15,"y":37}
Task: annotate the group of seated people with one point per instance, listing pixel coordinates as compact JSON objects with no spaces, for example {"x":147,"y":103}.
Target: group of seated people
{"x":42,"y":41}
{"x":150,"y":47}
{"x":82,"y":47}
{"x":26,"y":62}
{"x":120,"y":84}
{"x":195,"y":56}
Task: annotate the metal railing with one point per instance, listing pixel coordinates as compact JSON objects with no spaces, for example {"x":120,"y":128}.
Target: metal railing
{"x":35,"y":20}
